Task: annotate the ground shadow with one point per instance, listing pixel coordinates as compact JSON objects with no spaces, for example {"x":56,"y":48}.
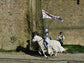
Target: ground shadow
{"x":27,"y":50}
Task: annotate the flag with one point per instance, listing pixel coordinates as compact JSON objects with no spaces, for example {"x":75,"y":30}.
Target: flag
{"x":50,"y":16}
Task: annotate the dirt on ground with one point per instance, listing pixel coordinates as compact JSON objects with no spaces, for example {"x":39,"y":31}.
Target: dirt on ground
{"x":59,"y":57}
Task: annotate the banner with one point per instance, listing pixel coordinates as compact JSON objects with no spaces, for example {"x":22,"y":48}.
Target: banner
{"x":50,"y":16}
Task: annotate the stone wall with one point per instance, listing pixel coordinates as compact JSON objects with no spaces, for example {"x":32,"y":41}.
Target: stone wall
{"x":13,"y":24}
{"x":19,"y":19}
{"x":72,"y":13}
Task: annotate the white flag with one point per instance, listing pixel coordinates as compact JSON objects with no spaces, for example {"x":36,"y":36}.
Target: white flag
{"x":50,"y":16}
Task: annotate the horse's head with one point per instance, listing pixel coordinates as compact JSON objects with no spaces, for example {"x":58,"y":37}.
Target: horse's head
{"x":35,"y":38}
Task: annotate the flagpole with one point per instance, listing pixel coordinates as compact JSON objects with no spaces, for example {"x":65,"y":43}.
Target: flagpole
{"x":43,"y":19}
{"x":43,"y":25}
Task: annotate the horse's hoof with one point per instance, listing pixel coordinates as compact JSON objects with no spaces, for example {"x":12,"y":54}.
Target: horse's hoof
{"x":47,"y":57}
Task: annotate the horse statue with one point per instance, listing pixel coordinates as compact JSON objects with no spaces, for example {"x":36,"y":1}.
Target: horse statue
{"x":53,"y":46}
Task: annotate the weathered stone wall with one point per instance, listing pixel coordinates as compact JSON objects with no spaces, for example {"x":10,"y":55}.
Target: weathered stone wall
{"x":73,"y":15}
{"x":35,"y":19}
{"x":35,"y":15}
{"x":13,"y":24}
{"x":19,"y":19}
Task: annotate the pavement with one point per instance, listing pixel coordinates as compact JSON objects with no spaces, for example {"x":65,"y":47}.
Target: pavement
{"x":21,"y":57}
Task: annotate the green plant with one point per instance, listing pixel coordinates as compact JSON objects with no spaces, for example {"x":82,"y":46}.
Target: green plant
{"x":74,"y":48}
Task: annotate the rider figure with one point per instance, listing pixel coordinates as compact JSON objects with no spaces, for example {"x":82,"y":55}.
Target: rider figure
{"x":46,"y":38}
{"x":61,"y":38}
{"x":46,"y":33}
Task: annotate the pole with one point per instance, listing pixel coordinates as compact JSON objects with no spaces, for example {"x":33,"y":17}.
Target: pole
{"x":43,"y":18}
{"x":78,"y":2}
{"x":43,"y":24}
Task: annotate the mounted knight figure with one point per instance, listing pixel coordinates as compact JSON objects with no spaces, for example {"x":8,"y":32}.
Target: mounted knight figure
{"x":53,"y":46}
{"x":46,"y":38}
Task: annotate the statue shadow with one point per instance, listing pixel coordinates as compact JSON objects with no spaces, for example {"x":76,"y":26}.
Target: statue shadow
{"x":27,"y":50}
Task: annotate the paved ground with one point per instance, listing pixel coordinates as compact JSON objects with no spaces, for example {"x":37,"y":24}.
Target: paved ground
{"x":25,"y":58}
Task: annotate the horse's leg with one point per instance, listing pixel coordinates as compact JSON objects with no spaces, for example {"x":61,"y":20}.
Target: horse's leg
{"x":40,"y":52}
{"x":50,"y":50}
{"x":43,"y":50}
{"x":44,"y":54}
{"x":55,"y":53}
{"x":42,"y":47}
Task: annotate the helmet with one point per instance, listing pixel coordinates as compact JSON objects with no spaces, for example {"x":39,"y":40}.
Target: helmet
{"x":46,"y":30}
